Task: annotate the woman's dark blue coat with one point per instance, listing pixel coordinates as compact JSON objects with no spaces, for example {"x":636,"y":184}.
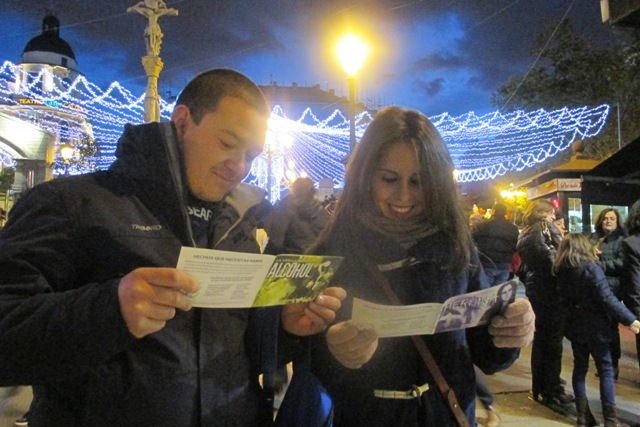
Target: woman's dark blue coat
{"x":396,"y":365}
{"x":590,"y":303}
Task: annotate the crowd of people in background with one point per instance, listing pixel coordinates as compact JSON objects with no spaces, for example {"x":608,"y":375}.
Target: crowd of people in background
{"x":581,"y":287}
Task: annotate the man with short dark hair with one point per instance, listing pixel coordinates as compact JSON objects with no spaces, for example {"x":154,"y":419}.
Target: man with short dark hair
{"x":496,"y":240}
{"x":93,"y":313}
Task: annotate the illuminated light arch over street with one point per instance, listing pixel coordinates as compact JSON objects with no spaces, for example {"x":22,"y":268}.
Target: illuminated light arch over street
{"x":488,"y":146}
{"x":482,"y":147}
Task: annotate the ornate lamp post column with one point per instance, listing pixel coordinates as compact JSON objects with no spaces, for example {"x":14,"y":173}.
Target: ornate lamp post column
{"x":352,"y":52}
{"x":152,"y":9}
{"x":275,"y":150}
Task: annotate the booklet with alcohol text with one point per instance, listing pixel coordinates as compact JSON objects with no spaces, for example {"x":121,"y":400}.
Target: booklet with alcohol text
{"x":240,"y":280}
{"x":458,"y":312}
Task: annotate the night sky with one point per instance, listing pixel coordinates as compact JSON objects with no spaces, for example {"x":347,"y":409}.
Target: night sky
{"x":432,"y":55}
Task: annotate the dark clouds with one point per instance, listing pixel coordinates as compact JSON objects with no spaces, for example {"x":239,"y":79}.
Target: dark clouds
{"x":432,"y":88}
{"x":433,"y":55}
{"x":438,"y":61}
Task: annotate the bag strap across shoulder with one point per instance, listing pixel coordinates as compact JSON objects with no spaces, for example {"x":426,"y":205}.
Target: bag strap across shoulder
{"x":446,"y":391}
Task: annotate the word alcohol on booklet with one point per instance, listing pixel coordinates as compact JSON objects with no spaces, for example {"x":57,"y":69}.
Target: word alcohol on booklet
{"x":237,"y":279}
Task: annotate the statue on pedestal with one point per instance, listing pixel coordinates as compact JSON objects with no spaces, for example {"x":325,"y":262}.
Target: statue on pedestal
{"x":153,"y":9}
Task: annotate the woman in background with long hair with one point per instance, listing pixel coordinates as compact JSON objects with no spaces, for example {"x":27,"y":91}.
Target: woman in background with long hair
{"x":592,"y":308}
{"x":607,"y":246}
{"x":537,"y":245}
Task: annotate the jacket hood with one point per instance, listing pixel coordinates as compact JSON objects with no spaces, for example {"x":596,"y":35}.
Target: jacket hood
{"x":244,"y":196}
{"x":150,"y":152}
{"x":149,"y":155}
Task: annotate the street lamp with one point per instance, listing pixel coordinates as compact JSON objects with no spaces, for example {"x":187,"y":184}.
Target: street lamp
{"x":512,"y":195}
{"x":352,"y":52}
{"x":66,"y":152}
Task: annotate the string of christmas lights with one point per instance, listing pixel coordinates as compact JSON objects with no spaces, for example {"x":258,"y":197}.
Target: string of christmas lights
{"x":482,"y":147}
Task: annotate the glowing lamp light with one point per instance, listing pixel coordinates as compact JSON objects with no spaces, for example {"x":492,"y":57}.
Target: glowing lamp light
{"x":352,"y":52}
{"x":66,"y":152}
{"x":290,"y":175}
{"x":512,"y":194}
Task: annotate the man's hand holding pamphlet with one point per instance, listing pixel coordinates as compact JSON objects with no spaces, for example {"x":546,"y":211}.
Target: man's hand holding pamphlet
{"x":458,"y":312}
{"x":237,"y":280}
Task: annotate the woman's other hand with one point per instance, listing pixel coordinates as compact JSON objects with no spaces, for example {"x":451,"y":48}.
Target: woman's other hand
{"x":515,"y":326}
{"x":352,"y":345}
{"x":309,"y":318}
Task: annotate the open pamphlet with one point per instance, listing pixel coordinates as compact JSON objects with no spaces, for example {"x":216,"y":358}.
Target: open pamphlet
{"x":240,"y":280}
{"x":458,"y":312}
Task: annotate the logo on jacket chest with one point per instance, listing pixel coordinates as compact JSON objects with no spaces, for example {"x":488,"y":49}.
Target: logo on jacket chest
{"x":200,"y":212}
{"x":146,"y":227}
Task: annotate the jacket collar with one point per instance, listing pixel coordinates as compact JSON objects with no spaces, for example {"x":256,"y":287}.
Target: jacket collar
{"x":150,"y":154}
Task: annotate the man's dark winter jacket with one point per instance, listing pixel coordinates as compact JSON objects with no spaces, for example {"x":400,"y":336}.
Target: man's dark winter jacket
{"x":496,"y":240}
{"x":294,"y":225}
{"x":67,"y":244}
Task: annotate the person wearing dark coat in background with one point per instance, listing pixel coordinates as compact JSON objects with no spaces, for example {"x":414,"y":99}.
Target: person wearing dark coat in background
{"x":93,"y":313}
{"x":607,"y":245}
{"x":537,"y":246}
{"x":630,"y":280}
{"x":292,"y":226}
{"x":591,"y":308}
{"x":496,"y":241}
{"x":399,"y":222}
{"x":296,"y":220}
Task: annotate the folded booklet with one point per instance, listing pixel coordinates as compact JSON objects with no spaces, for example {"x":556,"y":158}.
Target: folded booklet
{"x":458,"y":312}
{"x":237,"y":279}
